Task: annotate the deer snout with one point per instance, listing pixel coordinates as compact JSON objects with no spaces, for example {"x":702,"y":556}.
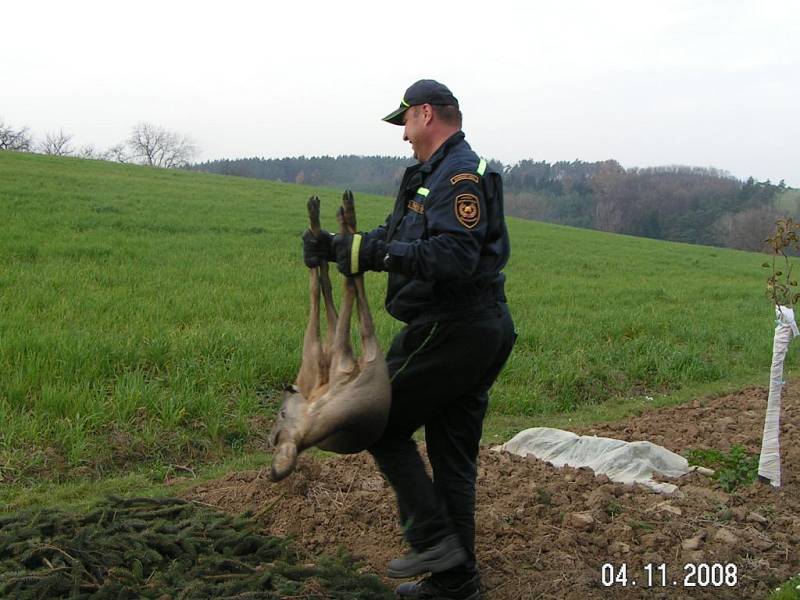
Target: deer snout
{"x":287,"y":432}
{"x":284,"y":459}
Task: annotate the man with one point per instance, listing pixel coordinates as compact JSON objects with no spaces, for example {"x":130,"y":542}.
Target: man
{"x":444,"y":246}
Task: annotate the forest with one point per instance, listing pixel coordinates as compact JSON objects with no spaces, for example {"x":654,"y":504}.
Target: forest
{"x":697,"y":205}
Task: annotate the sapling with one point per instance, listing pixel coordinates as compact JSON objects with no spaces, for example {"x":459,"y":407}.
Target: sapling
{"x":782,"y":290}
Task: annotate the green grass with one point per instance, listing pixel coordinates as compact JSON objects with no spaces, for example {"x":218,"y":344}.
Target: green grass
{"x":604,"y":316}
{"x":735,"y":469}
{"x":146,"y":481}
{"x":789,"y":590}
{"x":148,"y":316}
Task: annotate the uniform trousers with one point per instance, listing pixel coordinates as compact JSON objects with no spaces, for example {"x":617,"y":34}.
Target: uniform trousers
{"x":441,"y":373}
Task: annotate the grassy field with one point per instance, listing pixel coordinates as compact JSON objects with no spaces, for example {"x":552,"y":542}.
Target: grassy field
{"x":148,"y":316}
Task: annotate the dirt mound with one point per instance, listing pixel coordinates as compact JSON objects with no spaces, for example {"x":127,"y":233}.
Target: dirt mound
{"x":546,"y":533}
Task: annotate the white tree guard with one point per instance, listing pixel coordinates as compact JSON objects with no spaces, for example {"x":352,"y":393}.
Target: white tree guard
{"x":769,"y":464}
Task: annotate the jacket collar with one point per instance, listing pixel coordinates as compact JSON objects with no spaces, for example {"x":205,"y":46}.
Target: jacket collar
{"x":453,"y":140}
{"x":416,"y":173}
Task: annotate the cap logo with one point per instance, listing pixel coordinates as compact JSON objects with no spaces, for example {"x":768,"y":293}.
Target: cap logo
{"x":468,"y":210}
{"x":404,"y":103}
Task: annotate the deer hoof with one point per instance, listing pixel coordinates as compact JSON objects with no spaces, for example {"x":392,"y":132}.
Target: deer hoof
{"x":284,"y":460}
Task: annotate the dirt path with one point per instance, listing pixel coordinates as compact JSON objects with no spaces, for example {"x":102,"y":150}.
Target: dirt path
{"x":546,"y":533}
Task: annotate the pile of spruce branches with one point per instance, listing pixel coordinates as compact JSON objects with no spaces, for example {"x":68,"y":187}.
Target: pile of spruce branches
{"x":162,"y":548}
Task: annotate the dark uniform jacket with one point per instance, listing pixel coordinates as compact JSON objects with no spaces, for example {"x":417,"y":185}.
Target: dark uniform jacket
{"x":446,"y":241}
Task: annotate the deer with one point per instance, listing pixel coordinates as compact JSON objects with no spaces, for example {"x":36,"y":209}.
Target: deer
{"x":338,"y":402}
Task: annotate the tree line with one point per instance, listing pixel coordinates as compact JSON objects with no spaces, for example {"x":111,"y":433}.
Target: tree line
{"x":147,"y":144}
{"x":369,"y":174}
{"x":677,"y":203}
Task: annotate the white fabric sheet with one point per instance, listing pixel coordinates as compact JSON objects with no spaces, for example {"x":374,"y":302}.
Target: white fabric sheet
{"x":625,"y":462}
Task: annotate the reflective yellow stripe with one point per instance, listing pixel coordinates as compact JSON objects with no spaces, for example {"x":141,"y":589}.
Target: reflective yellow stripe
{"x":404,"y":103}
{"x":481,"y":167}
{"x":354,"y":253}
{"x":423,"y":192}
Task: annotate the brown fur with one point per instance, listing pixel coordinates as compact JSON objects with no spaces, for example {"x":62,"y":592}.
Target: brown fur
{"x":338,"y":403}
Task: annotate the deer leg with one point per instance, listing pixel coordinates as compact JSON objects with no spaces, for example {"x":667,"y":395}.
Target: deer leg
{"x":313,"y":215}
{"x":346,"y":216}
{"x":348,"y":213}
{"x":331,"y":316}
{"x":369,"y":342}
{"x":314,"y":365}
{"x":324,"y":277}
{"x":370,"y":349}
{"x":343,"y":364}
{"x":342,"y":350}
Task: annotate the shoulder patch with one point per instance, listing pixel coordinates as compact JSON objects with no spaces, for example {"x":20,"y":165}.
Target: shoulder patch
{"x":462,"y":176}
{"x":468,"y":210}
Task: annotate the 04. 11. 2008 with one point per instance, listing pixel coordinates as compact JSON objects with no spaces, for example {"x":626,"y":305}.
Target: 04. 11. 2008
{"x":660,"y":575}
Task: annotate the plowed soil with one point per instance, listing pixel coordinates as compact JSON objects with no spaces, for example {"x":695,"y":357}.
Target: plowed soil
{"x":544,"y":532}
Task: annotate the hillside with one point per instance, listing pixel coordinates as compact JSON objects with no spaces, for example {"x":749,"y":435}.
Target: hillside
{"x":148,"y":316}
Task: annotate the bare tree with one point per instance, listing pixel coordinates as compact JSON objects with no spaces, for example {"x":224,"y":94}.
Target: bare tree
{"x":87,"y":151}
{"x":14,"y":139}
{"x":57,"y":144}
{"x":117,"y":153}
{"x":155,"y":146}
{"x":608,"y":183}
{"x":746,"y":230}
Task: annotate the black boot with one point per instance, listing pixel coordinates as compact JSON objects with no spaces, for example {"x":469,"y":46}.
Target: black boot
{"x":428,"y":589}
{"x":445,"y":555}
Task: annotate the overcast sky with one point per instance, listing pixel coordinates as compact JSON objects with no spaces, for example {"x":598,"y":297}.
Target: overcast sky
{"x":698,"y":82}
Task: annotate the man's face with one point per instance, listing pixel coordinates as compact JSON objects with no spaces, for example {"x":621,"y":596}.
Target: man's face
{"x":414,"y":130}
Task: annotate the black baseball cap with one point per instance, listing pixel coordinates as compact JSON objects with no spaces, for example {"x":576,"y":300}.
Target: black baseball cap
{"x":424,"y":91}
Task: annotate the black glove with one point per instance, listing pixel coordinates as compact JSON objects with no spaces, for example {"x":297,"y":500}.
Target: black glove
{"x":356,"y":253}
{"x":317,"y":248}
